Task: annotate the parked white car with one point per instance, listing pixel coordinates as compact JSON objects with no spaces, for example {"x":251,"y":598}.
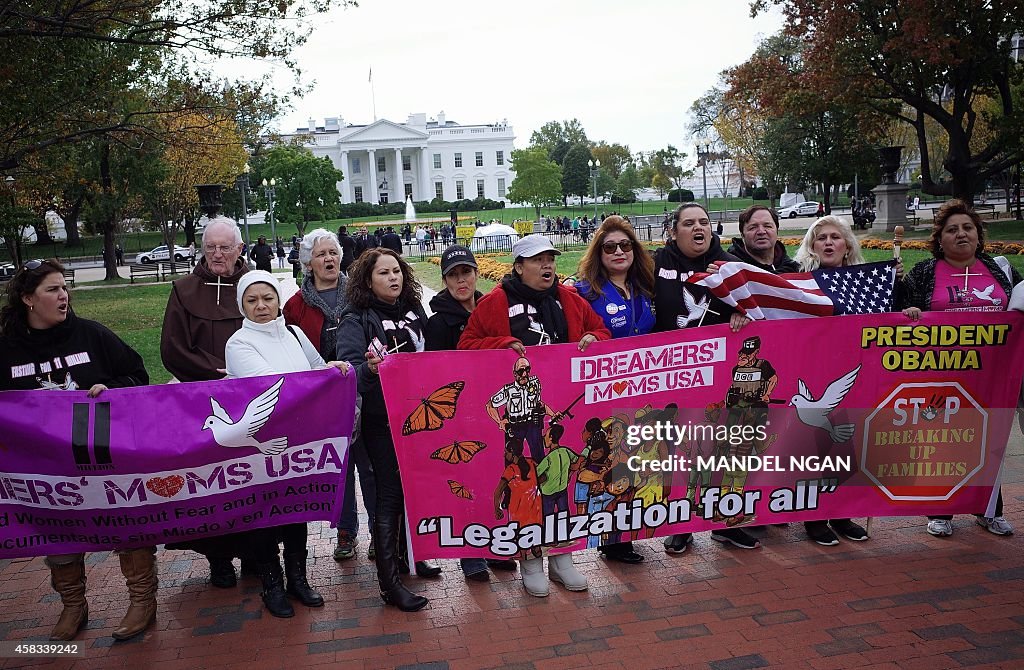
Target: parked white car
{"x":160,"y":254}
{"x":806,"y":208}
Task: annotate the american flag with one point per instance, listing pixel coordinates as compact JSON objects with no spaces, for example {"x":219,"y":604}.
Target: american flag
{"x":852,"y":289}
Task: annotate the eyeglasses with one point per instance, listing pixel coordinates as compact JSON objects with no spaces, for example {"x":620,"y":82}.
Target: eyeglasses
{"x":212,"y":249}
{"x":33,"y":265}
{"x":625,"y":245}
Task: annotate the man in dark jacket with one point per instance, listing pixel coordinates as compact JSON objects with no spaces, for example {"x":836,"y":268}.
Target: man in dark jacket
{"x":391,"y":240}
{"x":759,"y":243}
{"x":348,"y":246}
{"x":262,"y":253}
{"x":363,"y":242}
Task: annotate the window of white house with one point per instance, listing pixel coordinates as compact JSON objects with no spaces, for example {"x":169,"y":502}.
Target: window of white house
{"x":437,"y":161}
{"x":458,"y":160}
{"x":408,"y":190}
{"x":406,"y":163}
{"x":479,"y":159}
{"x":460,"y":191}
{"x":501,"y":187}
{"x":439,"y":190}
{"x":382,"y":165}
{"x":355,"y":166}
{"x":499,"y":158}
{"x":479,"y":188}
{"x":359,"y":193}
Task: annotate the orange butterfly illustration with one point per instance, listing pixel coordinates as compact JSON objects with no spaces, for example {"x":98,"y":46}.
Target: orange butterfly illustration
{"x":458,"y":452}
{"x":434,"y":409}
{"x":459,"y":490}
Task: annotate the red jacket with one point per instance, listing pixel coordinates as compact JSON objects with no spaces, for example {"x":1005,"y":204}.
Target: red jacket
{"x":488,"y":326}
{"x":308,"y":318}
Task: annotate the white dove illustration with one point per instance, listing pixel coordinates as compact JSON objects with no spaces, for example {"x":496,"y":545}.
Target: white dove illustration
{"x":228,"y":433}
{"x":815,"y":413}
{"x":694,"y":309}
{"x":986,"y":295}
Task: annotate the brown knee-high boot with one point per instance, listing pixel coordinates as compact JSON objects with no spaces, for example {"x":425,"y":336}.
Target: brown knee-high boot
{"x":68,"y":580}
{"x":139,"y":569}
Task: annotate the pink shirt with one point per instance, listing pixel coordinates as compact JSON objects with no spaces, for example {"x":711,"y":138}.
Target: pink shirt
{"x":983,"y":294}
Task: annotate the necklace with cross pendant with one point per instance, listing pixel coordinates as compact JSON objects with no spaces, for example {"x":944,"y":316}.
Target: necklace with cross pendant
{"x":967,"y":274}
{"x":218,"y":284}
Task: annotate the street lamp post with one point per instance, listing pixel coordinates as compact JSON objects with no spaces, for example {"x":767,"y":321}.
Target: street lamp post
{"x":595,"y":170}
{"x":242,"y":183}
{"x":270,"y":192}
{"x":16,"y":251}
{"x":702,"y":155}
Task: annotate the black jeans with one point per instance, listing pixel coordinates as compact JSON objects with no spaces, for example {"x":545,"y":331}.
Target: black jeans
{"x":263,"y":541}
{"x":380,"y":449}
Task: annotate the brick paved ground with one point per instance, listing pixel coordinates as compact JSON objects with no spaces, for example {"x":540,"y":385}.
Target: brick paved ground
{"x":902,"y":600}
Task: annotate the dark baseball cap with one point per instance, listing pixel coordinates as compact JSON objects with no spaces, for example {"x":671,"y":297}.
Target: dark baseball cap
{"x":456,"y":255}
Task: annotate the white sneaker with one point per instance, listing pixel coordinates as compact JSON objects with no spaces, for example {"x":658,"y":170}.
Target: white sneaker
{"x":997,"y":525}
{"x":534,"y":581}
{"x":940,"y":527}
{"x":561,"y":570}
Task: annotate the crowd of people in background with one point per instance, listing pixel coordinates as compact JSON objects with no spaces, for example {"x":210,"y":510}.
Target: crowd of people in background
{"x":225,"y":319}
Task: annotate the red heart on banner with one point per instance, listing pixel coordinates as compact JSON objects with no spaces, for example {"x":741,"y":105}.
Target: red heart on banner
{"x":619,"y":387}
{"x":166,"y":487}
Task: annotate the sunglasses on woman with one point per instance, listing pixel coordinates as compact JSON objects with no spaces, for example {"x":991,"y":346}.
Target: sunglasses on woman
{"x":32,"y":265}
{"x":624,"y":245}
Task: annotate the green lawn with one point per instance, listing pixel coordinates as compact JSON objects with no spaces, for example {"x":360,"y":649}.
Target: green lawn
{"x":135,"y":313}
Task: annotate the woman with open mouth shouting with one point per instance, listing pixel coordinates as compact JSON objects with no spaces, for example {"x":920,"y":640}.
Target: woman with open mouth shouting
{"x":529,"y":308}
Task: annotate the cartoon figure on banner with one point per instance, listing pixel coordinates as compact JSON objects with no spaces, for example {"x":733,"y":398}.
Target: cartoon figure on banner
{"x":517,"y":492}
{"x":590,"y":492}
{"x":649,"y":484}
{"x":554,"y":470}
{"x":753,"y":380}
{"x":524,"y":410}
{"x":619,"y":485}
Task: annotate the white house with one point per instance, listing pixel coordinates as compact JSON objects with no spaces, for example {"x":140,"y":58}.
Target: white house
{"x":426,"y":159}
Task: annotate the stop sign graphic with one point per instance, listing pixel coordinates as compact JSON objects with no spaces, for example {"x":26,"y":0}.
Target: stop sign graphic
{"x":924,"y":441}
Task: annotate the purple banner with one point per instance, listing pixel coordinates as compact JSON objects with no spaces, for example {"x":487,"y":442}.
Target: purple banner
{"x":150,"y":465}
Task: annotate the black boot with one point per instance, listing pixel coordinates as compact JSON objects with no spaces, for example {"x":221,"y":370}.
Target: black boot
{"x":274,"y":596}
{"x":222,"y":573}
{"x":298,"y":587}
{"x":424,"y":569}
{"x":392,"y":591}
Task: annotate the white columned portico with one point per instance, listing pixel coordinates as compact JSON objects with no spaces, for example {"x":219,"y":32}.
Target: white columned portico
{"x":399,"y":188}
{"x":346,"y":182}
{"x":426,"y":187}
{"x":372,"y":195}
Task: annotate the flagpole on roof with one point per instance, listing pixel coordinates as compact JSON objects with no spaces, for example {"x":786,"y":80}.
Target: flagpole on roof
{"x":373,"y":96}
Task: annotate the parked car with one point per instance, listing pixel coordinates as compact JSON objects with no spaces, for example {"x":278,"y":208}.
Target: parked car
{"x":7,"y":271}
{"x":807,"y":208}
{"x":160,"y":254}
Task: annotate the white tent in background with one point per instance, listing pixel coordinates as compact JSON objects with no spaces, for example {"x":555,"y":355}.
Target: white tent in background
{"x":503,"y":237}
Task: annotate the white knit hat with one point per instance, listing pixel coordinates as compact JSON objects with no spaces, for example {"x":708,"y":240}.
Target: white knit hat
{"x":255,"y":277}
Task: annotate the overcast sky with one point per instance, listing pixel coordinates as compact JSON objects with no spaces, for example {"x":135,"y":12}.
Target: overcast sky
{"x":628,"y":70}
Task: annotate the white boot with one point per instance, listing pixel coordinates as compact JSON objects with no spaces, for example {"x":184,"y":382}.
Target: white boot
{"x":561,"y":570}
{"x":534,"y":581}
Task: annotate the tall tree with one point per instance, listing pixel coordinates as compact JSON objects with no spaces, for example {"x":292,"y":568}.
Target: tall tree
{"x":306,"y":186}
{"x":538,"y":180}
{"x":557,"y":138}
{"x":921,"y":54}
{"x":668,"y":162}
{"x":614,"y":157}
{"x":56,"y":55}
{"x":576,"y":173}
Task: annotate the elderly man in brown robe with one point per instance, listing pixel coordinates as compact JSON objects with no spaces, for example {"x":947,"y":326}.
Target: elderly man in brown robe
{"x":201,"y":315}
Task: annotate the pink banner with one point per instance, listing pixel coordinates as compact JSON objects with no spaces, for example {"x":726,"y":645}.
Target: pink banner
{"x":156,"y":464}
{"x":696,"y":429}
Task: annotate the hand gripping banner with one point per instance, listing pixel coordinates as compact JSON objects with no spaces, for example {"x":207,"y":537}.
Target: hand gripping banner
{"x":156,"y":464}
{"x":698,"y":429}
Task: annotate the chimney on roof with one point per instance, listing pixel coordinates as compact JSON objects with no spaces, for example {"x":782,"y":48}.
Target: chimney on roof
{"x":440,"y":118}
{"x":312,"y":124}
